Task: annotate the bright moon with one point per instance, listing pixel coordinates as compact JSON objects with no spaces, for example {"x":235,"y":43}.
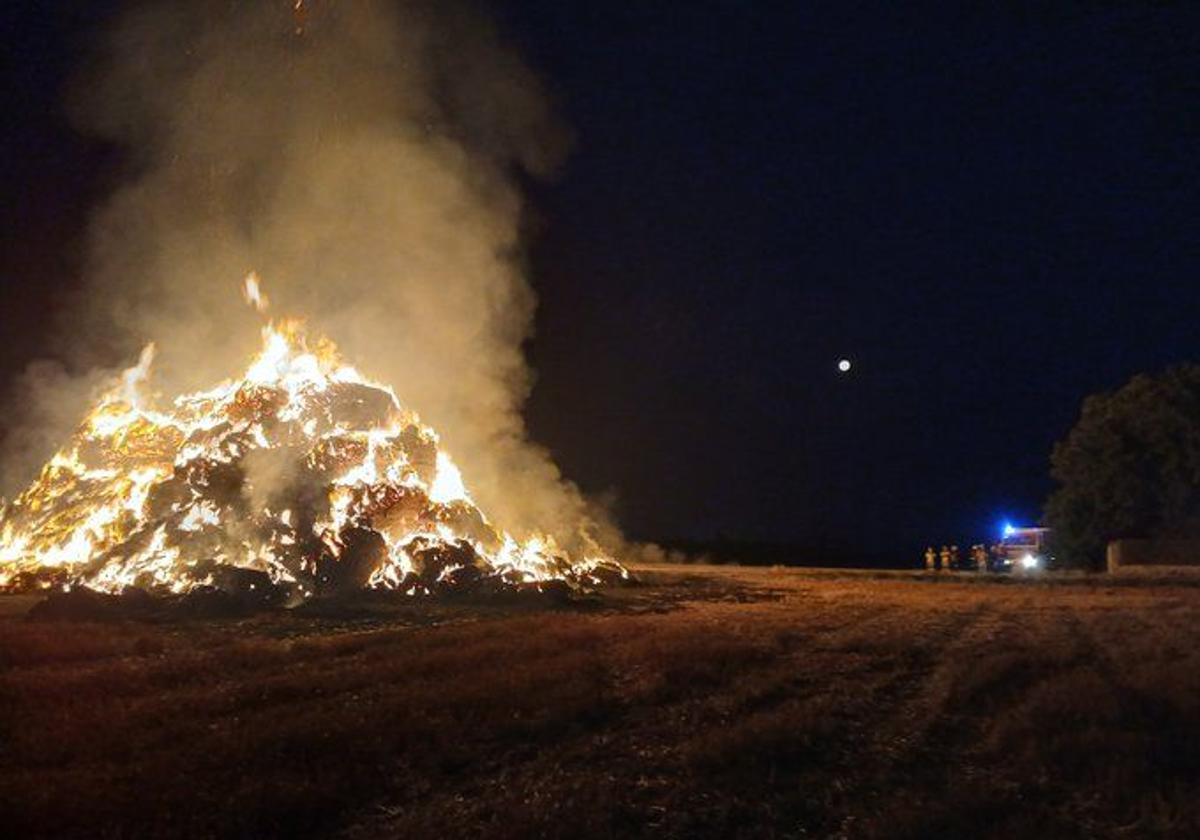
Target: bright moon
{"x":844,"y":365}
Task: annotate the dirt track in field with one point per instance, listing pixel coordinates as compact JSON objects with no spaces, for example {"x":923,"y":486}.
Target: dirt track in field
{"x":706,"y":702}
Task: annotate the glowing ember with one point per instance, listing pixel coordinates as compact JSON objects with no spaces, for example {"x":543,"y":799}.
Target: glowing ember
{"x":302,"y":469}
{"x":253,"y":293}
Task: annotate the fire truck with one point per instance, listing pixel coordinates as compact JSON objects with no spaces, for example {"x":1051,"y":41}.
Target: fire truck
{"x":1021,"y":550}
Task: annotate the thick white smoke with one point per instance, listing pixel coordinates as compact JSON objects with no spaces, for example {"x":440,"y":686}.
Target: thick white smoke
{"x":362,"y":158}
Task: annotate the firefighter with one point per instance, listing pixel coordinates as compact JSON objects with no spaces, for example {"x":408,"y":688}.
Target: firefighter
{"x":930,"y":559}
{"x":953,"y":557}
{"x":945,"y":558}
{"x":979,"y":555}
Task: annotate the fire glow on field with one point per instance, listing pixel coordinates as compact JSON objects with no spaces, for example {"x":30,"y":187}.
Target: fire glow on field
{"x":356,"y":491}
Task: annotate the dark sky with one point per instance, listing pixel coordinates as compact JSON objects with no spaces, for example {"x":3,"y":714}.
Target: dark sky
{"x":992,"y":211}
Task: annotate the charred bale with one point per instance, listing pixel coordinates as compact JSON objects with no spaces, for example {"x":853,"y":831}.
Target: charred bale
{"x":363,"y":551}
{"x":250,"y":587}
{"x":434,"y":561}
{"x":358,"y":406}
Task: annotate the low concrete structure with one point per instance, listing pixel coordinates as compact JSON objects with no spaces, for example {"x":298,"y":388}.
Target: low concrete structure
{"x":1154,"y":555}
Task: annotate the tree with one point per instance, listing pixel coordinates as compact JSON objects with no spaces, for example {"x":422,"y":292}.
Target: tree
{"x":1129,"y":468}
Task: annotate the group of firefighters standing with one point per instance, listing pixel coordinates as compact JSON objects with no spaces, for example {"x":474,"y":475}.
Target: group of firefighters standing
{"x":948,"y":558}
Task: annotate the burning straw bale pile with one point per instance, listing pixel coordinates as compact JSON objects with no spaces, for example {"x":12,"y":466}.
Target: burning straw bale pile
{"x":300,"y":479}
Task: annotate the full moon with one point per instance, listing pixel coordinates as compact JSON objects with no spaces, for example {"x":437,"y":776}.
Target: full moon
{"x":844,"y":365}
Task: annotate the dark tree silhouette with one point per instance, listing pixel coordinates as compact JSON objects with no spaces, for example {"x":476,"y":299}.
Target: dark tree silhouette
{"x":1129,"y":468}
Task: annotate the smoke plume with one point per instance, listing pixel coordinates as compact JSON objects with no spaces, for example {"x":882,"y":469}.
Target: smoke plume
{"x":364,"y":159}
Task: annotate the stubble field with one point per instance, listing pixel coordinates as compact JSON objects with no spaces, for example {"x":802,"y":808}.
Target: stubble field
{"x":705,"y":702}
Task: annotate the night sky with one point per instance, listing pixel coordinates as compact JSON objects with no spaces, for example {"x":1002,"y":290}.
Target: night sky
{"x":992,"y":211}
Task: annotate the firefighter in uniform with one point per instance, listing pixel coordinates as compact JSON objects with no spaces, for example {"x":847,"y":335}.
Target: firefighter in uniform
{"x":953,"y":557}
{"x":979,"y":555}
{"x":930,"y":559}
{"x":945,"y":558}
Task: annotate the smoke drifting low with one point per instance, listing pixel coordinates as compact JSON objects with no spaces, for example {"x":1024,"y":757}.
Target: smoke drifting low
{"x":362,"y":158}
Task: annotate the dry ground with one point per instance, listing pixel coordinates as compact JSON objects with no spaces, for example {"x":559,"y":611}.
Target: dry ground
{"x":705,"y":703}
